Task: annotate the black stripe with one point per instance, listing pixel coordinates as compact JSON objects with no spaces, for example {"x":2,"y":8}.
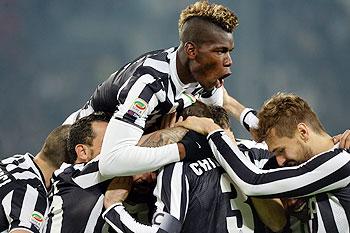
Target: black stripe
{"x":166,"y":187}
{"x":338,"y":175}
{"x":89,"y":168}
{"x":17,"y":203}
{"x":326,"y":213}
{"x":99,"y":224}
{"x":197,"y":90}
{"x":140,"y":71}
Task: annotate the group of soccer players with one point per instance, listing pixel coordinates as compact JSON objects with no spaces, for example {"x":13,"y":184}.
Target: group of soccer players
{"x":152,"y":151}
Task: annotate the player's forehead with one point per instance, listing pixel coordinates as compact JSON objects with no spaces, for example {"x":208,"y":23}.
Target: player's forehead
{"x":275,"y":142}
{"x":219,"y":39}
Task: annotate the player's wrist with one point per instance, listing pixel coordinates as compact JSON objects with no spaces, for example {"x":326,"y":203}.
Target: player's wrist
{"x":211,"y":128}
{"x":248,"y":119}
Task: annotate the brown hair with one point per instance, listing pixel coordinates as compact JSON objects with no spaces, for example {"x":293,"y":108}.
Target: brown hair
{"x":214,"y":13}
{"x":284,"y":111}
{"x":55,"y":150}
{"x":200,"y":109}
{"x":220,"y":116}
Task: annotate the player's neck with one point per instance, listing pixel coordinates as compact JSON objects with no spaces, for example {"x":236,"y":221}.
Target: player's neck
{"x":45,"y":169}
{"x":182,"y":67}
{"x":321,"y":143}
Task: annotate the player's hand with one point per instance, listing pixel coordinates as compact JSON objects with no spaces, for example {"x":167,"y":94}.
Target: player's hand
{"x":118,"y":190}
{"x":230,"y":134}
{"x":343,"y":139}
{"x":201,"y":125}
{"x":196,"y":147}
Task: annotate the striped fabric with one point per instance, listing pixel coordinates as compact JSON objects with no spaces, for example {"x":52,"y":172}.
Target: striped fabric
{"x":324,"y":179}
{"x":23,"y":195}
{"x":196,"y":197}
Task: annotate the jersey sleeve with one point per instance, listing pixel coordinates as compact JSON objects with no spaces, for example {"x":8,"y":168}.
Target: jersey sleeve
{"x":25,"y":209}
{"x":322,"y":173}
{"x":213,"y":97}
{"x":119,"y":154}
{"x":172,"y":192}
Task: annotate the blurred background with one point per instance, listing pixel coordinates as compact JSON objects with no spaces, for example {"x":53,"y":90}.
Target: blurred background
{"x":54,"y":53}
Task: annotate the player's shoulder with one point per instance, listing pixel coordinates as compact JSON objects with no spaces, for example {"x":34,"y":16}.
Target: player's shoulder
{"x":68,"y":170}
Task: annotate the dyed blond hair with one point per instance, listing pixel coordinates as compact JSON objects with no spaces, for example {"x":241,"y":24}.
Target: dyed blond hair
{"x":217,"y":14}
{"x":284,"y":111}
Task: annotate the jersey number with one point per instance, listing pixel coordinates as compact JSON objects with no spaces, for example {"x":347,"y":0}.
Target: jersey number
{"x":239,"y":214}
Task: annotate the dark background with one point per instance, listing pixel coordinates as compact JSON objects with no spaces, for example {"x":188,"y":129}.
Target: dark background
{"x":54,"y":53}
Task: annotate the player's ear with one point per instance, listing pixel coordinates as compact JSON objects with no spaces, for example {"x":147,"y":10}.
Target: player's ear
{"x":303,"y":131}
{"x":80,"y":150}
{"x":190,"y":49}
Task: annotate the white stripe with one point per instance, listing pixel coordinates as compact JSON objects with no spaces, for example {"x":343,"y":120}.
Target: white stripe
{"x":9,"y":160}
{"x":157,"y":192}
{"x":161,"y":66}
{"x":57,"y":214}
{"x":6,"y":204}
{"x":94,"y":215}
{"x":175,"y":199}
{"x":132,"y":95}
{"x":90,"y":179}
{"x":28,"y":206}
{"x":187,"y":194}
{"x":24,"y":175}
{"x":339,"y":214}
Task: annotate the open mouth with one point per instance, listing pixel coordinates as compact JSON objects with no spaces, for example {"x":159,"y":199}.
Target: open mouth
{"x":220,"y":81}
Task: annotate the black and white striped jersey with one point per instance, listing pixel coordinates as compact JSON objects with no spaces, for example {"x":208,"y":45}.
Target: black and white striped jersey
{"x":196,"y":197}
{"x":76,"y":199}
{"x":23,"y":195}
{"x":324,"y":179}
{"x":146,"y":89}
{"x":138,"y":94}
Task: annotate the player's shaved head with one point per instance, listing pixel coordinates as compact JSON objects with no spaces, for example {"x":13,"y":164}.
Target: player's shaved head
{"x":199,"y":30}
{"x":200,"y":20}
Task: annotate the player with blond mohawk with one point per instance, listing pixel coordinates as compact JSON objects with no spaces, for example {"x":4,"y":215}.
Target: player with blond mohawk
{"x":163,"y":82}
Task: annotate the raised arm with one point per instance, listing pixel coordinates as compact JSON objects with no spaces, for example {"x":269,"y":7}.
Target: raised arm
{"x":119,"y":154}
{"x":322,"y":173}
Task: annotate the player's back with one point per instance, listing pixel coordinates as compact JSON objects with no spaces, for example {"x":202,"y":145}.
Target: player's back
{"x":215,"y":204}
{"x":77,"y":200}
{"x":23,"y":194}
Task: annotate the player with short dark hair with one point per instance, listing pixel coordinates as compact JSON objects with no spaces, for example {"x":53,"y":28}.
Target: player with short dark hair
{"x":24,"y":180}
{"x":82,"y":135}
{"x":80,"y":184}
